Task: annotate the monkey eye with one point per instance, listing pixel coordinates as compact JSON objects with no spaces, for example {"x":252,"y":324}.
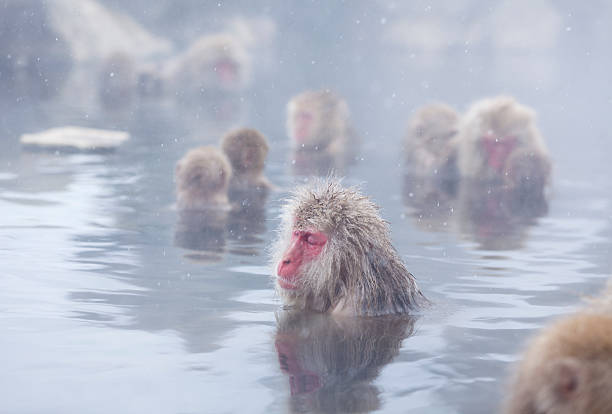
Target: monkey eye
{"x":315,"y":239}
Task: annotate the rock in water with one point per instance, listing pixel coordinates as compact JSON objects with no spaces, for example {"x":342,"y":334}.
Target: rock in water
{"x":75,"y":138}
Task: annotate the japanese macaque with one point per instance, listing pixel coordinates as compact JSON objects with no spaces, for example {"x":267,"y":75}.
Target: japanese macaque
{"x":567,"y":369}
{"x":334,"y":254}
{"x":318,"y":126}
{"x":428,"y":145}
{"x":213,"y":63}
{"x":202,"y":179}
{"x":331,"y":363}
{"x":491,"y":134}
{"x":246,"y":150}
{"x":203,"y":232}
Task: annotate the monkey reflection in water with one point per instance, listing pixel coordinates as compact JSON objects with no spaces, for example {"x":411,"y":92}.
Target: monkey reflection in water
{"x":332,"y":361}
{"x":497,"y":217}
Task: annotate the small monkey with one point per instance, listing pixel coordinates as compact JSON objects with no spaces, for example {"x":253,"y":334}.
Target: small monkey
{"x":428,"y":145}
{"x":319,"y":121}
{"x":246,"y":150}
{"x":334,"y":254}
{"x":202,"y":179}
{"x":492,"y":133}
{"x":567,"y":368}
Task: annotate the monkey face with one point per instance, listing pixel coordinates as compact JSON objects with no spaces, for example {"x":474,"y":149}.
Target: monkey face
{"x":303,"y":248}
{"x":226,"y":70}
{"x":497,"y":149}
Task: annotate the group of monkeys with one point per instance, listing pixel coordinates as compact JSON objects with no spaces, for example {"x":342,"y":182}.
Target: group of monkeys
{"x":334,"y":252}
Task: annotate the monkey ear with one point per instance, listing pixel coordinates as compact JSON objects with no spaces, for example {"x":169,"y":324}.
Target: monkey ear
{"x":567,"y":377}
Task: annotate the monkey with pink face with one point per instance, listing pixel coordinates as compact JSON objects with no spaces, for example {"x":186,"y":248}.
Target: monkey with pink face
{"x":334,"y":254}
{"x":318,"y":125}
{"x":499,"y":141}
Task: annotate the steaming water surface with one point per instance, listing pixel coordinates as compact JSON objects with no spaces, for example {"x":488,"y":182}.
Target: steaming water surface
{"x":104,"y":309}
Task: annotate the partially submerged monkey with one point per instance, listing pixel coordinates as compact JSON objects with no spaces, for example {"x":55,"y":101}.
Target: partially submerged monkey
{"x":334,"y":254}
{"x":202,"y":179}
{"x":318,"y":122}
{"x":567,"y":368}
{"x":246,"y":150}
{"x":498,"y":140}
{"x":428,"y":146}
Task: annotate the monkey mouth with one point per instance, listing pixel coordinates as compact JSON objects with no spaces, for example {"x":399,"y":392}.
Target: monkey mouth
{"x":286,"y":283}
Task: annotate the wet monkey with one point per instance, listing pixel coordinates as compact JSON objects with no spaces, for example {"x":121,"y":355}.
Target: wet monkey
{"x":498,"y":140}
{"x":246,"y":150}
{"x":202,"y":179}
{"x":334,"y":254}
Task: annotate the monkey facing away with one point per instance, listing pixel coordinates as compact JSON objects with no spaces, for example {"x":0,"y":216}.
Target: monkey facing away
{"x":334,"y":254}
{"x":202,"y":179}
{"x":246,"y":150}
{"x":428,"y":146}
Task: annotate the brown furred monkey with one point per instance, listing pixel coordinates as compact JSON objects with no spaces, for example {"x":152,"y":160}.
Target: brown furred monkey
{"x":492,"y":134}
{"x":334,"y":254}
{"x":202,"y":179}
{"x":428,"y":146}
{"x":332,"y":362}
{"x":567,"y":368}
{"x":246,"y":150}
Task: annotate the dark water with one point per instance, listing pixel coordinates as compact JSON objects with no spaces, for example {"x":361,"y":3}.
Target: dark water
{"x":101,"y":311}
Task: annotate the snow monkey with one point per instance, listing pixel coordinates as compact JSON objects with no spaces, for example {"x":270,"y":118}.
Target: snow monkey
{"x":498,"y":140}
{"x":567,"y":369}
{"x":212,"y":63}
{"x":318,"y":121}
{"x":246,"y":150}
{"x":428,"y":145}
{"x":334,"y":254}
{"x":202,"y":179}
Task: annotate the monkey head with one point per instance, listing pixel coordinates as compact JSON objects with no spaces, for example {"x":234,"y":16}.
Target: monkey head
{"x":504,"y":126}
{"x":246,"y":149}
{"x":202,"y":178}
{"x":432,"y":127}
{"x":334,"y":252}
{"x":316,"y":118}
{"x":567,"y":369}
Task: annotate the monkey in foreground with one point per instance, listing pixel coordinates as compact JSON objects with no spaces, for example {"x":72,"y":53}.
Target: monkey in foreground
{"x":428,"y":146}
{"x":246,"y":150}
{"x":567,"y":368}
{"x":318,"y":125}
{"x":334,"y":254}
{"x":498,"y":140}
{"x":331,"y":363}
{"x":202,"y":179}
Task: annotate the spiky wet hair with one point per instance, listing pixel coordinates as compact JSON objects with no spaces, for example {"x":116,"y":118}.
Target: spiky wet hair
{"x":358,"y":268}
